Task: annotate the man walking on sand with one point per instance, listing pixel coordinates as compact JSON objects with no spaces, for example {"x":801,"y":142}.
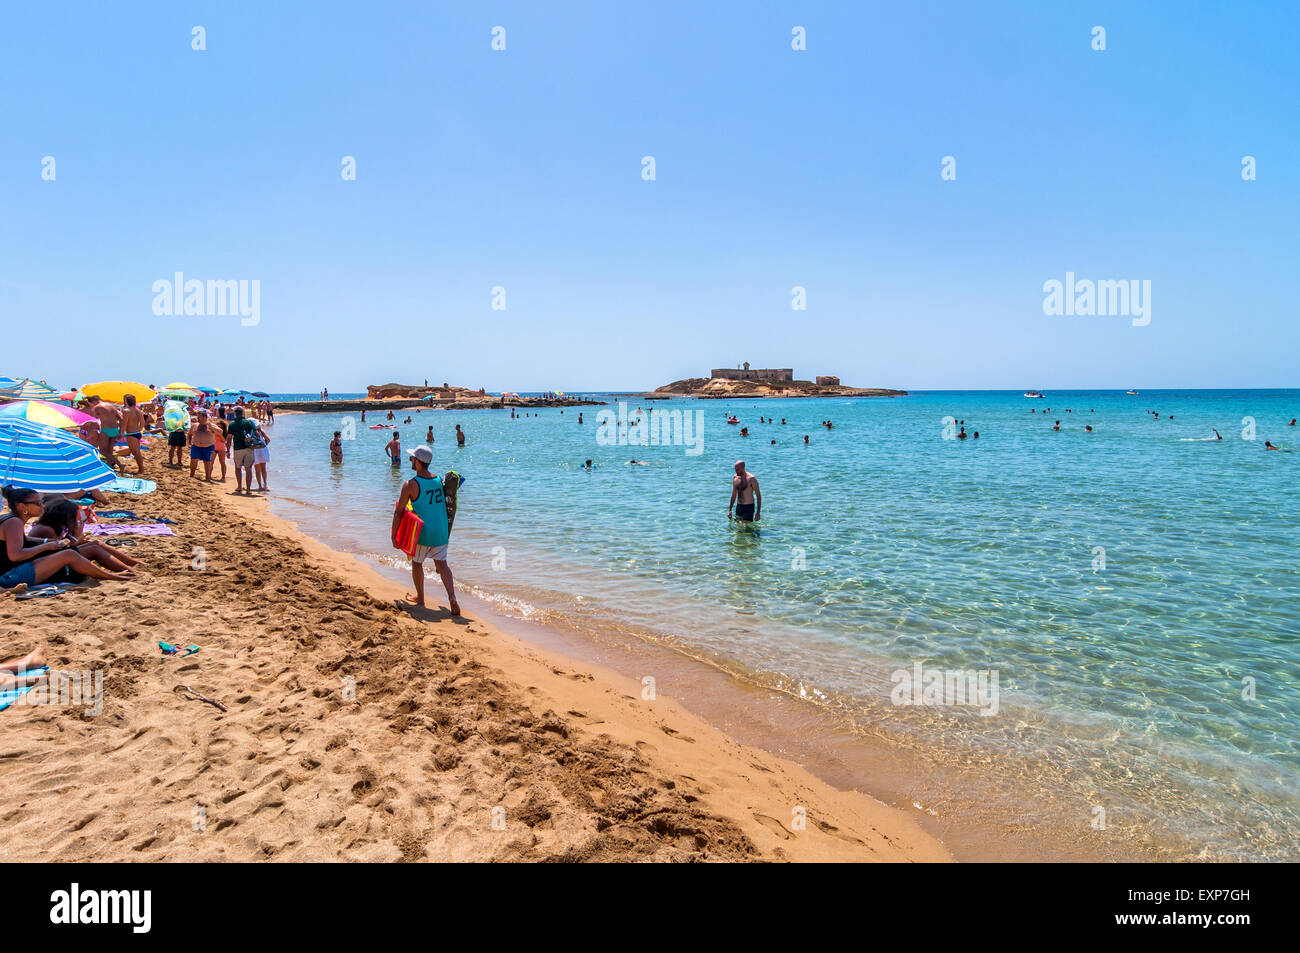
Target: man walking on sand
{"x":427,"y":497}
{"x":745,"y":486}
{"x":241,"y":434}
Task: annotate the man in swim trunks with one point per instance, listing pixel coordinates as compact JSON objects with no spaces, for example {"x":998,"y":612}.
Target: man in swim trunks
{"x":110,"y":425}
{"x":745,"y":495}
{"x":394,"y":450}
{"x":427,"y":497}
{"x":133,"y":425}
{"x":203,"y":445}
{"x":460,"y":436}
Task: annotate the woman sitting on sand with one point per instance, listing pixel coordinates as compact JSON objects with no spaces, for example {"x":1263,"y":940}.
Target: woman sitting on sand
{"x":28,"y":562}
{"x":61,"y":519}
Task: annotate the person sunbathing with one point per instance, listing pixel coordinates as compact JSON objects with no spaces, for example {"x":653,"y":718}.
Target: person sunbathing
{"x":61,"y":519}
{"x":22,"y":563}
{"x":9,"y":671}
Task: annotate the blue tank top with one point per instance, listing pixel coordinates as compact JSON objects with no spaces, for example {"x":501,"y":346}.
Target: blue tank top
{"x":431,"y":506}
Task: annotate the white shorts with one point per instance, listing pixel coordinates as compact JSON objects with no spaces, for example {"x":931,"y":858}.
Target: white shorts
{"x":436,"y":553}
{"x":261,"y":455}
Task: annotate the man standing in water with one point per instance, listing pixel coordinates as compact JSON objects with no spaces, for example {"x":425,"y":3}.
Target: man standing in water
{"x":745,"y":495}
{"x":394,"y":450}
{"x":427,"y":497}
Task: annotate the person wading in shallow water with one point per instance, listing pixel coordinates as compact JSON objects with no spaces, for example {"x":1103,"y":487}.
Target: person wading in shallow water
{"x":745,"y":495}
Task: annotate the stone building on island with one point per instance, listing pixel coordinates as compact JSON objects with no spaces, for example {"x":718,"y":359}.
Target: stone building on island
{"x":745,"y":373}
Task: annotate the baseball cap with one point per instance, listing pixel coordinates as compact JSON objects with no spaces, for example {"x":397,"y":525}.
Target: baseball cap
{"x":423,"y":454}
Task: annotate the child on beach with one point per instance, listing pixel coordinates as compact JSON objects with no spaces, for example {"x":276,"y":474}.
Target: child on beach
{"x":175,"y":445}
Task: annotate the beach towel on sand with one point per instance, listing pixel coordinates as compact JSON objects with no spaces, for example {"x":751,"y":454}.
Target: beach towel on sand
{"x":133,"y":485}
{"x":129,"y":529}
{"x":117,"y":514}
{"x":11,"y":695}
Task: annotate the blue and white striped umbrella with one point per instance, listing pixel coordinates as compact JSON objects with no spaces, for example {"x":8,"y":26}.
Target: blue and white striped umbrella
{"x":27,"y":390}
{"x":41,"y":458}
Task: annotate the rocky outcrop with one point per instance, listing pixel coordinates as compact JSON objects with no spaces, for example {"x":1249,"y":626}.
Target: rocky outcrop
{"x":720,"y":388}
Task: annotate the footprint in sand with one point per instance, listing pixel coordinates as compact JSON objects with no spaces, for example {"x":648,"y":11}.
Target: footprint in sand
{"x":836,"y":832}
{"x":773,"y":825}
{"x":673,"y":733}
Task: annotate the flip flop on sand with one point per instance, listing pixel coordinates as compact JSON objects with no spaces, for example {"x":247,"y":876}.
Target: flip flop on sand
{"x":177,"y":651}
{"x":47,"y":589}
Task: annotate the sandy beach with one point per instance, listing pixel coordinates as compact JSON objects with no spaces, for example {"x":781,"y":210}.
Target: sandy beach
{"x":356,"y":729}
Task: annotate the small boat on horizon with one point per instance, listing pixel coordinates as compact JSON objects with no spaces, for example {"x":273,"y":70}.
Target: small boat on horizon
{"x":1034,"y":393}
{"x":1133,"y":392}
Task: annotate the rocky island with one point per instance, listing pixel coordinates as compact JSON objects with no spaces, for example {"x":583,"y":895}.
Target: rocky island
{"x":763,"y":382}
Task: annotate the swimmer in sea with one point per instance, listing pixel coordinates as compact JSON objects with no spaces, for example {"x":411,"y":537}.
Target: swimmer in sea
{"x":1217,"y":435}
{"x":588,"y":465}
{"x":1269,"y":446}
{"x":1057,"y":426}
{"x":394,"y":450}
{"x":963,"y":434}
{"x":1088,"y":428}
{"x":336,"y":447}
{"x":977,"y":435}
{"x":805,"y":438}
{"x":745,"y":495}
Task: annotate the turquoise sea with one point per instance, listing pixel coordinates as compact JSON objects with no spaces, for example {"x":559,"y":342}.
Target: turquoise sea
{"x":1133,"y":590}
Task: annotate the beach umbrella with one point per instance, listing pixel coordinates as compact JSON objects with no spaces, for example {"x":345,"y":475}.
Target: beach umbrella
{"x":114,"y":391}
{"x":44,"y":412}
{"x":7,"y":382}
{"x":180,"y":385}
{"x":41,"y":458}
{"x":207,"y":390}
{"x":28,"y":390}
{"x":258,"y":393}
{"x":70,"y":395}
{"x":233,"y":391}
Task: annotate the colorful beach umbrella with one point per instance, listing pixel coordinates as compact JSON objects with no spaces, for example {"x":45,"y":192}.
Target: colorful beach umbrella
{"x":44,"y":412}
{"x":114,"y":391}
{"x":28,"y":390}
{"x":233,"y":391}
{"x":41,"y":458}
{"x":7,"y":382}
{"x":207,"y":390}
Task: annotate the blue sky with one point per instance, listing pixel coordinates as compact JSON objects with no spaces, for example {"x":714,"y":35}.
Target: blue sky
{"x":775,"y":168}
